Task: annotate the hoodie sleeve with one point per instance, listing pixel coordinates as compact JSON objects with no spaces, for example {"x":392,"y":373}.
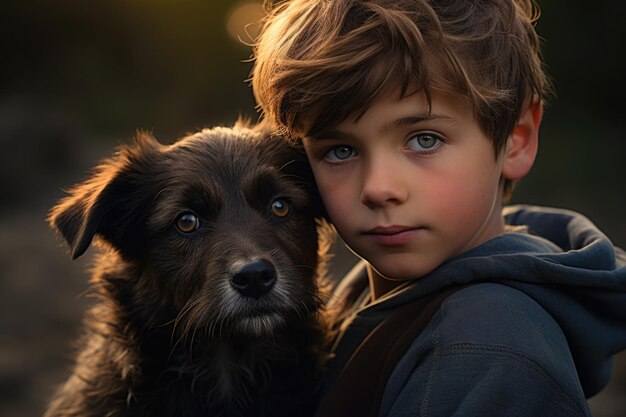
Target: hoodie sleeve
{"x":490,"y":351}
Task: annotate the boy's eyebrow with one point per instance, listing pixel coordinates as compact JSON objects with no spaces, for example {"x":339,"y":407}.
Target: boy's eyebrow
{"x":410,"y":120}
{"x":336,"y":134}
{"x":330,"y":134}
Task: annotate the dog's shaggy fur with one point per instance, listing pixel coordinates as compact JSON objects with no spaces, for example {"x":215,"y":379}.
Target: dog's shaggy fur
{"x":208,"y":287}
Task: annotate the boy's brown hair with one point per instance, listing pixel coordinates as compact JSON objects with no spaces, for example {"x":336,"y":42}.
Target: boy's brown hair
{"x":319,"y":61}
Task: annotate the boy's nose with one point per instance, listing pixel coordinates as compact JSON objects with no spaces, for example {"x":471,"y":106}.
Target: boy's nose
{"x":383,"y":184}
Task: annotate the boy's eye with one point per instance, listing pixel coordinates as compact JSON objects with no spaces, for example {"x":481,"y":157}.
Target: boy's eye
{"x":340,"y":153}
{"x":424,"y":142}
{"x":187,"y":222}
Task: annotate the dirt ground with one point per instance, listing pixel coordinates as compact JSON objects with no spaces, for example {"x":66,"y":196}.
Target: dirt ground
{"x":41,"y":307}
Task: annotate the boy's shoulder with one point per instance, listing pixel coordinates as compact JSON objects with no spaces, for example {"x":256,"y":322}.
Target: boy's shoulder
{"x":485,"y":337}
{"x":494,"y":338}
{"x":496,"y":315}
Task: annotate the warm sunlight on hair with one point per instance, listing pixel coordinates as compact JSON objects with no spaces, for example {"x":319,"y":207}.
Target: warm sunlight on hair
{"x":243,"y":21}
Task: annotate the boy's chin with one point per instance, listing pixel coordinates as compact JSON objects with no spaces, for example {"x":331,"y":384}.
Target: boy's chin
{"x":398,"y":273}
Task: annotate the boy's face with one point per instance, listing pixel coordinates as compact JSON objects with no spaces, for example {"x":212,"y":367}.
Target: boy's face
{"x":407,"y":188}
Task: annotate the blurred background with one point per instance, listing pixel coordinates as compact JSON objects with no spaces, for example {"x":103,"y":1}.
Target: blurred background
{"x":77,"y":78}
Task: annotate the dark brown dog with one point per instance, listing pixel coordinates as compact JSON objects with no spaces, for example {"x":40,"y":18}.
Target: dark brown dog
{"x":208,"y":290}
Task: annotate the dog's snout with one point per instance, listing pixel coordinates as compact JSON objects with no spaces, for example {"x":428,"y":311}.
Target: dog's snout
{"x":254,"y":279}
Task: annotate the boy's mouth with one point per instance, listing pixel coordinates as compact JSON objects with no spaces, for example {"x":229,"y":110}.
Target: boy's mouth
{"x":393,"y":235}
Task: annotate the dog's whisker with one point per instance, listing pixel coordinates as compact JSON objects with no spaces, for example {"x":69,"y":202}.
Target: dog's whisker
{"x":183,"y":312}
{"x":197,"y":323}
{"x":313,"y":268}
{"x":166,"y":323}
{"x":191,"y":303}
{"x":221,"y":324}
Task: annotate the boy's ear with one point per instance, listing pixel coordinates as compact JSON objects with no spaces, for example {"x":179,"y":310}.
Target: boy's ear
{"x":521,"y":147}
{"x":111,"y":203}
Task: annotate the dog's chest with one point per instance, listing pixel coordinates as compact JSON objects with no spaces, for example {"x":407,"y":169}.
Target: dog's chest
{"x":227,"y":378}
{"x":236,"y":372}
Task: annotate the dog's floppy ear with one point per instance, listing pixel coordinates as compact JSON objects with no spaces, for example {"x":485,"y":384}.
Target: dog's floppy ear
{"x":109,"y":202}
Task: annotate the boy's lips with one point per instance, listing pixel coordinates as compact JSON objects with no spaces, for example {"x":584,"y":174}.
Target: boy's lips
{"x":393,"y":235}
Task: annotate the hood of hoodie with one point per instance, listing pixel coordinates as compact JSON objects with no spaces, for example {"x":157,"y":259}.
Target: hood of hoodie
{"x":558,"y":258}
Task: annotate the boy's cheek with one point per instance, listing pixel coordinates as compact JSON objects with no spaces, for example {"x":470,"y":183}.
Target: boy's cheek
{"x":454,"y":198}
{"x":336,"y":194}
{"x":340,"y":201}
{"x":337,"y":201}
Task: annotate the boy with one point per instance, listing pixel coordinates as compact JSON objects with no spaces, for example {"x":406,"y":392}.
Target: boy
{"x":417,"y":117}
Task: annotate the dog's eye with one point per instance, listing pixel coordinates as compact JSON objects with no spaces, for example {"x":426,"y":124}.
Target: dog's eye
{"x":280,"y":207}
{"x":187,"y":222}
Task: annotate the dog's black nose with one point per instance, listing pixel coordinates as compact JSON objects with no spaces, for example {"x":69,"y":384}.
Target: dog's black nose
{"x":254,"y":279}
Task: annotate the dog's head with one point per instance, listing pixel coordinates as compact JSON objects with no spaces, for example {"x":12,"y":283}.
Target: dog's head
{"x":219,"y":228}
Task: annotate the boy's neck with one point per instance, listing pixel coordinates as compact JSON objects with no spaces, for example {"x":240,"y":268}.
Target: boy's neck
{"x":380,"y":285}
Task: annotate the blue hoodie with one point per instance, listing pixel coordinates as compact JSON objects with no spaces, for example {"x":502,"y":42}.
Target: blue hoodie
{"x":532,"y":335}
